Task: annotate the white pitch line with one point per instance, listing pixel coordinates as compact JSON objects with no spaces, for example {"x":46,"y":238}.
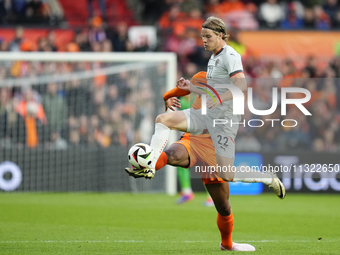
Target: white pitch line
{"x":141,"y":241}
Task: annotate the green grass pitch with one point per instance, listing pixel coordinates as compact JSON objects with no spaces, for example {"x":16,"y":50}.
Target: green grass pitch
{"x":121,"y":223}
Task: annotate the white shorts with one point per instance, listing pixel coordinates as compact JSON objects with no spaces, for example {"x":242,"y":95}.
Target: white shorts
{"x":222,"y":135}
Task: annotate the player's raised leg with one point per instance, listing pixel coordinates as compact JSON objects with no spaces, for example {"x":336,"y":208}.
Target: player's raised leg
{"x":219,"y":192}
{"x":164,"y":123}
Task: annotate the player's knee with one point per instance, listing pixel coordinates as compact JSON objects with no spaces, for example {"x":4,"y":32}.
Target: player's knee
{"x":159,"y":118}
{"x":162,"y":118}
{"x":173,"y":157}
{"x":224,"y":209}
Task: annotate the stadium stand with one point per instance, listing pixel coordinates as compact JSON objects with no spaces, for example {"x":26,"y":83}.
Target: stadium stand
{"x":178,"y":25}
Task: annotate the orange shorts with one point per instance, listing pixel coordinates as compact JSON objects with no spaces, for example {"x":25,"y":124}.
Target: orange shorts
{"x":201,"y":153}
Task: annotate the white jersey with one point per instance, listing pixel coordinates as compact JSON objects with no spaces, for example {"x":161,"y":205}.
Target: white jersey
{"x":222,"y":66}
{"x":226,"y":63}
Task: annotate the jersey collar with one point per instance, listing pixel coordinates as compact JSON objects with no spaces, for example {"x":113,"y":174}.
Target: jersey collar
{"x":219,"y":51}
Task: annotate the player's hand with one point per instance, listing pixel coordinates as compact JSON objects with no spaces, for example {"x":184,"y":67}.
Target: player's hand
{"x":171,"y":103}
{"x":183,"y":84}
{"x":211,"y":104}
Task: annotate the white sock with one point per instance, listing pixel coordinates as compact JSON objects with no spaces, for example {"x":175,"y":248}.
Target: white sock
{"x":253,"y":176}
{"x":187,"y":191}
{"x":158,"y":141}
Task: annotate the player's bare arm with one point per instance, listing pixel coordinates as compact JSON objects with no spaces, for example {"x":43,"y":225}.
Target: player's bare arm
{"x":188,"y":86}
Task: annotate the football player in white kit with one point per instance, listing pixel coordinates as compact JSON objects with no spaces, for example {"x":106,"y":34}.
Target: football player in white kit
{"x":224,"y":67}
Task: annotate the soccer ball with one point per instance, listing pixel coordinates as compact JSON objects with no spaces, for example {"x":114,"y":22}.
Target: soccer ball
{"x":140,"y":155}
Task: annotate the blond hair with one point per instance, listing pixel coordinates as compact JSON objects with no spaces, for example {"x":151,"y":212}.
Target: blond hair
{"x":217,"y":26}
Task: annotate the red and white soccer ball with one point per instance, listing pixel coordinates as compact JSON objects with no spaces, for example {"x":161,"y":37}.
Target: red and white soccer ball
{"x":140,"y":155}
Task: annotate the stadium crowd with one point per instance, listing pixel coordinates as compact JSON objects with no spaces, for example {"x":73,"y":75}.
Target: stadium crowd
{"x":95,"y":112}
{"x":102,"y":111}
{"x":30,"y":12}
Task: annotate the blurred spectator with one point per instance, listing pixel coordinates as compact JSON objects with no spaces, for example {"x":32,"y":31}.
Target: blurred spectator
{"x":28,"y":102}
{"x":43,"y":45}
{"x":99,"y":81}
{"x":82,"y":40}
{"x":119,"y":37}
{"x":103,"y":137}
{"x":329,"y":144}
{"x":98,"y":97}
{"x":322,"y":20}
{"x":102,"y":6}
{"x":56,"y":11}
{"x":308,"y":20}
{"x":83,"y":129}
{"x":189,"y":5}
{"x":96,"y":47}
{"x":123,"y":86}
{"x":8,"y":12}
{"x":212,"y":7}
{"x":34,"y":115}
{"x":292,"y":21}
{"x":74,"y":138}
{"x":153,"y":9}
{"x":94,"y":125}
{"x":103,"y":113}
{"x":298,"y":7}
{"x":56,"y":141}
{"x":169,"y":18}
{"x":72,"y":47}
{"x":96,"y":33}
{"x":107,"y":46}
{"x":51,"y":40}
{"x":15,"y":44}
{"x":78,"y":99}
{"x":331,"y":8}
{"x":336,"y":21}
{"x":3,"y":45}
{"x":289,"y":73}
{"x":36,"y":11}
{"x":322,"y":116}
{"x":27,"y":45}
{"x":311,"y":67}
{"x":271,"y":13}
{"x":192,"y":23}
{"x":55,"y":108}
{"x":115,"y":120}
{"x":190,"y":70}
{"x":12,"y":131}
{"x":112,"y":97}
{"x":231,"y":6}
{"x":318,"y":145}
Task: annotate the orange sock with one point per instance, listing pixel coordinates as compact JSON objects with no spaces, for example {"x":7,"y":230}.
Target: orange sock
{"x":225,"y":225}
{"x":162,"y":160}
